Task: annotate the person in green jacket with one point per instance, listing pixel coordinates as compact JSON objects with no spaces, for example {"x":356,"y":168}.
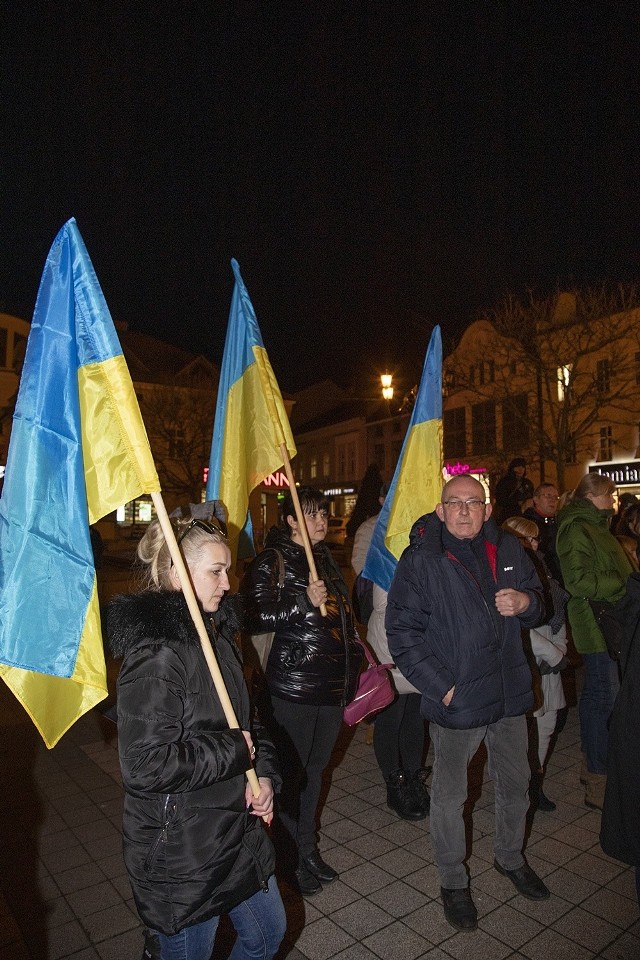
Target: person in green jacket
{"x":594,"y":567}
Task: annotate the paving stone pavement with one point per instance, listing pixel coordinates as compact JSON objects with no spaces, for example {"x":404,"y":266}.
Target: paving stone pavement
{"x":64,"y":892}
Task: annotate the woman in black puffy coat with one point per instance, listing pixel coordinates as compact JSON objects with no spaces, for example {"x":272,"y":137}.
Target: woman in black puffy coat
{"x":194,"y":844}
{"x":311,"y":671}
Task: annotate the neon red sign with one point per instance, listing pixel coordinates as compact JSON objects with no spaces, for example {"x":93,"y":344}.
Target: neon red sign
{"x":277,"y":479}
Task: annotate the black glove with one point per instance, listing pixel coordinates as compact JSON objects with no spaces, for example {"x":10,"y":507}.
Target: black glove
{"x":544,"y":668}
{"x":559,"y":667}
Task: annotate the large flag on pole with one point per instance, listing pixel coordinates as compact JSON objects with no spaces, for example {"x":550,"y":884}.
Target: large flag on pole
{"x":78,"y":451}
{"x":417,"y":481}
{"x":250,"y":423}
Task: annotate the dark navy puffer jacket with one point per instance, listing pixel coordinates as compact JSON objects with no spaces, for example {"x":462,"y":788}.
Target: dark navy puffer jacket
{"x":314,"y":659}
{"x":442,"y":633}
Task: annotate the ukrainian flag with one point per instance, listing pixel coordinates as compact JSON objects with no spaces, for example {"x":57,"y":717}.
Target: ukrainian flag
{"x":78,"y":451}
{"x":417,"y":481}
{"x":251,"y":423}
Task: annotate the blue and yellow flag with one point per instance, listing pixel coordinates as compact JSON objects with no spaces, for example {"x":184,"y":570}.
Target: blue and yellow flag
{"x":417,"y":481}
{"x":78,"y":451}
{"x":251,"y":422}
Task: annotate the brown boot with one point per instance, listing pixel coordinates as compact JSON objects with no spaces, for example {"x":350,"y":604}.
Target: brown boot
{"x":594,"y":790}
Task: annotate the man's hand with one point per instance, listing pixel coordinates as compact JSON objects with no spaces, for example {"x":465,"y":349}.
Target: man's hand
{"x":511,"y":602}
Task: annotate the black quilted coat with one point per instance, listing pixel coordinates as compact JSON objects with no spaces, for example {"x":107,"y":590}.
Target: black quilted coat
{"x":191,"y":849}
{"x":314,"y":659}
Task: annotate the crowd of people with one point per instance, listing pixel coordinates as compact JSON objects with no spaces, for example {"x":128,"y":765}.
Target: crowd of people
{"x":479,"y":623}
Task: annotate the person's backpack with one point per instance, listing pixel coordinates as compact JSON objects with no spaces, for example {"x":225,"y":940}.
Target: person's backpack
{"x":362,"y":599}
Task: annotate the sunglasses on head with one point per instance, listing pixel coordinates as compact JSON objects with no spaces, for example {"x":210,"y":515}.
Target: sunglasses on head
{"x":212,"y":526}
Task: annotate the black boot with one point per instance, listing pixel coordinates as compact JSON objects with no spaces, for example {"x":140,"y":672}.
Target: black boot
{"x":536,"y":795}
{"x":401,"y":797}
{"x":420,"y":792}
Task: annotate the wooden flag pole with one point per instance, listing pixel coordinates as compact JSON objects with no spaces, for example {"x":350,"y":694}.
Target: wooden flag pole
{"x":302,"y":526}
{"x":196,"y":615}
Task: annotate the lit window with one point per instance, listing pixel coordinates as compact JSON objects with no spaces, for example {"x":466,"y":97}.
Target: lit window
{"x":564,"y":379}
{"x":313,"y":468}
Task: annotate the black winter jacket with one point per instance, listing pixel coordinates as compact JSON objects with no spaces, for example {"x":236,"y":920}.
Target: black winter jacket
{"x":314,"y":659}
{"x":442,"y":632}
{"x":191,"y":849}
{"x":620,"y":823}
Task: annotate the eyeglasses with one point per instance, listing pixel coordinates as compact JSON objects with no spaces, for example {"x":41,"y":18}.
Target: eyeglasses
{"x":532,"y":539}
{"x":457,"y":505}
{"x":209,"y":526}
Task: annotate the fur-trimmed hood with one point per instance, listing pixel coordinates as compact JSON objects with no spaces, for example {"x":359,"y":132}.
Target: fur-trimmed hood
{"x":148,"y":617}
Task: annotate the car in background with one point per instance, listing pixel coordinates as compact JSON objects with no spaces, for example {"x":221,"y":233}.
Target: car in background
{"x":336,"y":531}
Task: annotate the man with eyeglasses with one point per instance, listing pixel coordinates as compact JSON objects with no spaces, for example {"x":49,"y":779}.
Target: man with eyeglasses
{"x":543,"y":513}
{"x":462,"y":591}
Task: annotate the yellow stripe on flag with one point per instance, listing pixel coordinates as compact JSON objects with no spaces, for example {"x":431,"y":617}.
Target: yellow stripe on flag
{"x":117,"y":459}
{"x":56,"y":703}
{"x":420,"y":484}
{"x":253,"y":432}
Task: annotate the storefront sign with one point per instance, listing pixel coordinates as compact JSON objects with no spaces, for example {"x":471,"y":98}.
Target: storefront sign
{"x":619,"y":473}
{"x":457,"y":469}
{"x":278,"y":479}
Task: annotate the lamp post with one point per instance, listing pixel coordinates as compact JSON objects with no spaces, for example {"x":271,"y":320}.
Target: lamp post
{"x":386,"y":380}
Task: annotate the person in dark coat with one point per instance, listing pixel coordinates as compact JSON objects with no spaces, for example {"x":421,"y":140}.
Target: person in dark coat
{"x":311,"y":672}
{"x":194,"y":844}
{"x":512,"y":490}
{"x":543,"y":513}
{"x":461,"y":593}
{"x":620,"y":823}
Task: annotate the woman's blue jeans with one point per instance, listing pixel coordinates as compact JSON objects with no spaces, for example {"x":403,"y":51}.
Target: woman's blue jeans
{"x":601,"y":685}
{"x":260,"y":922}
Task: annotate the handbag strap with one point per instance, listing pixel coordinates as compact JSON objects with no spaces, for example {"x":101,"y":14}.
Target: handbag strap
{"x":371,"y":660}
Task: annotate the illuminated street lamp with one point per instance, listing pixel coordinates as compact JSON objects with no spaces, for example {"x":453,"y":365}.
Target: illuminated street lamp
{"x":387,"y":390}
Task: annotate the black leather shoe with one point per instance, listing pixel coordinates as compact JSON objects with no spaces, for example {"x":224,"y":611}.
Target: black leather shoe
{"x":459,"y":909}
{"x":525,"y":881}
{"x":316,"y":865}
{"x":544,"y":804}
{"x":306,"y":883}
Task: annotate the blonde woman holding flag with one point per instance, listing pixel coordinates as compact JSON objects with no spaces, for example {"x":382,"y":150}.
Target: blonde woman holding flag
{"x":194,"y":846}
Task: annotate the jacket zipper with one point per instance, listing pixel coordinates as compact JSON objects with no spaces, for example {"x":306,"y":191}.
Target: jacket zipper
{"x":168,"y":813}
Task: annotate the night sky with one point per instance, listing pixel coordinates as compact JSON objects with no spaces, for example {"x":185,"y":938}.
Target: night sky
{"x":375,"y":167}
